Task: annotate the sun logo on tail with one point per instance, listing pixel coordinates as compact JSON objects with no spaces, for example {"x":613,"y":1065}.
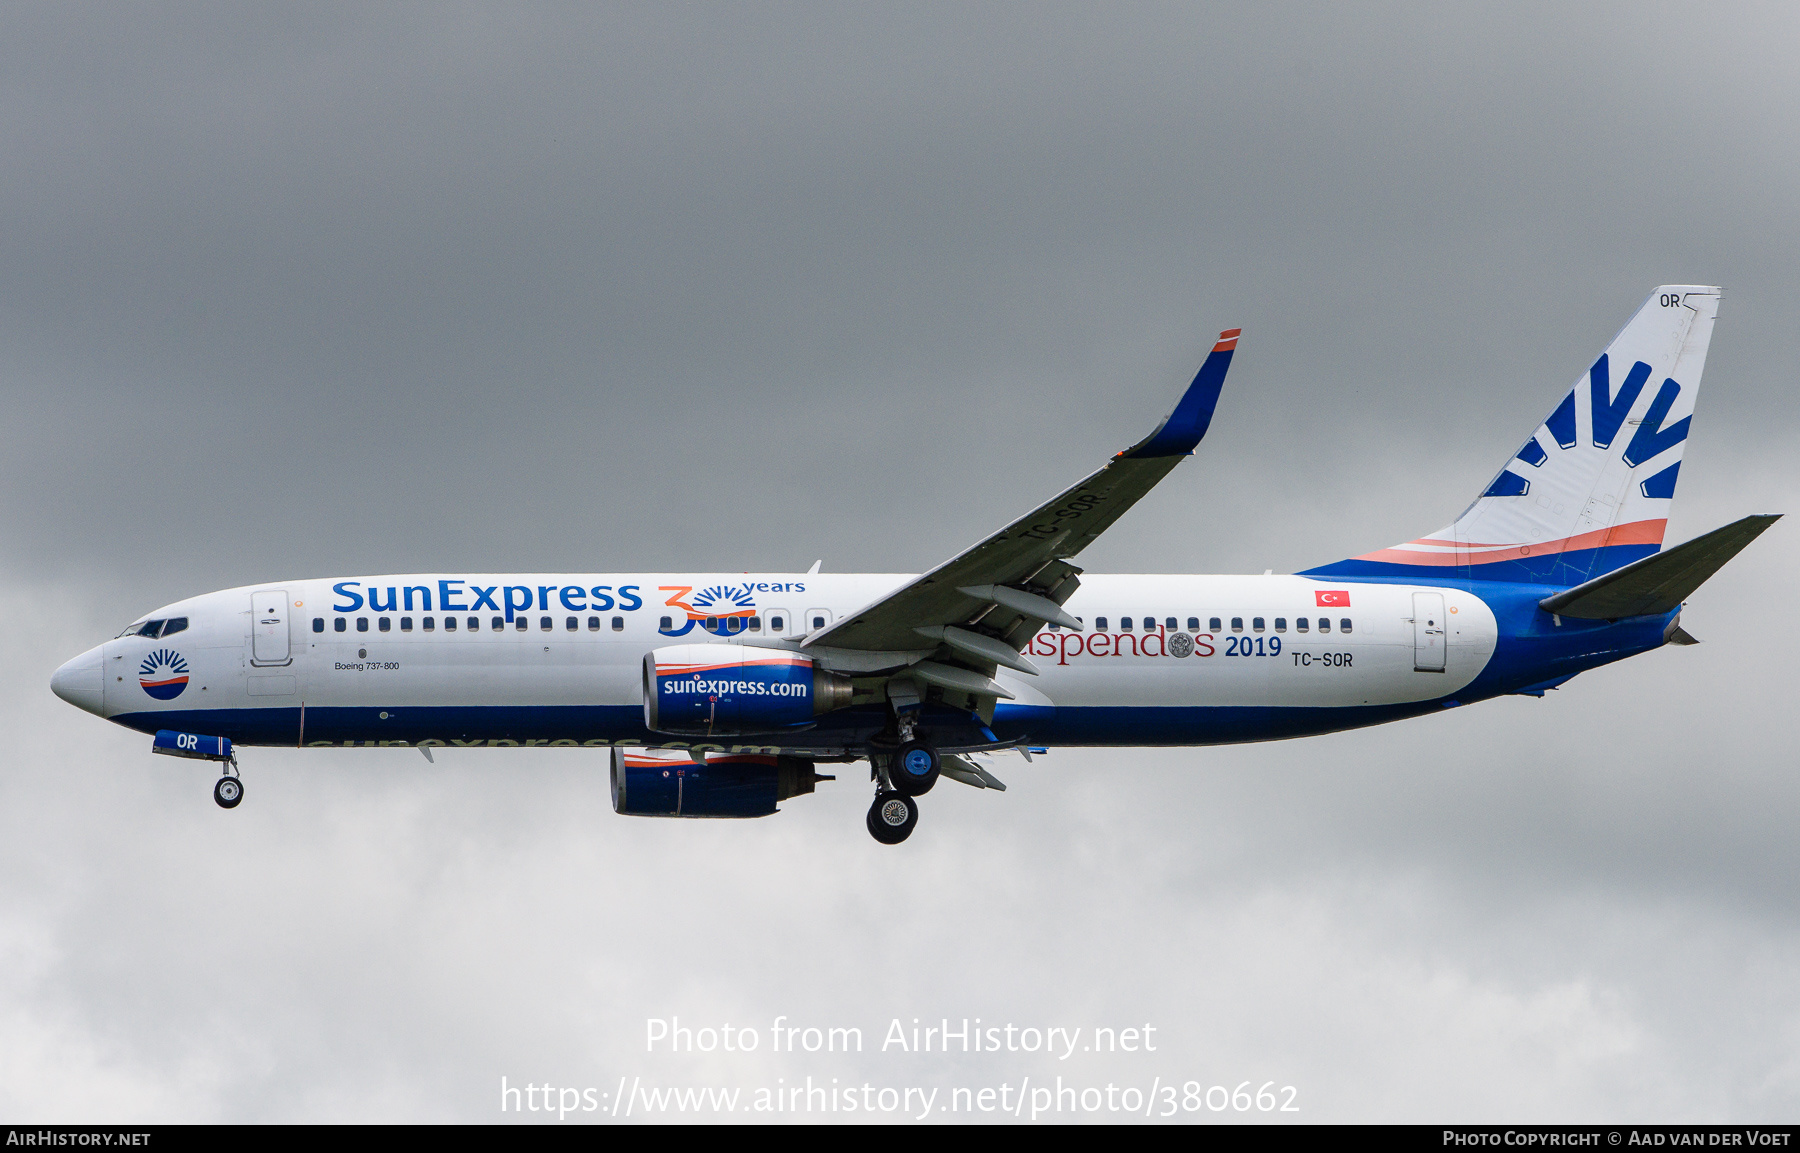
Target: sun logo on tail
{"x":163,"y":674}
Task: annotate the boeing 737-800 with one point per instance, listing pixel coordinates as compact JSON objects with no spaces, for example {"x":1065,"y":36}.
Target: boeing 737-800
{"x":720,"y":694}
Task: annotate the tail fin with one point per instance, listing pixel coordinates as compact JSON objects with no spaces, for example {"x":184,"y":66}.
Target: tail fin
{"x":1591,"y":490}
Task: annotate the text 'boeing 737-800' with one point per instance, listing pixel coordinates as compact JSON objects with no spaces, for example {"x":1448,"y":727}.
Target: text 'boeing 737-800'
{"x":719,"y":695}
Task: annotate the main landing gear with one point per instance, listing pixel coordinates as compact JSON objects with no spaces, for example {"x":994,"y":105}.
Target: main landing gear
{"x":892,"y":817}
{"x":915,"y":768}
{"x":901,"y":778}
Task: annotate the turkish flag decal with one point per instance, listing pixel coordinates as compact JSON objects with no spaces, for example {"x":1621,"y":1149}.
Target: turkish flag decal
{"x":1333,"y":598}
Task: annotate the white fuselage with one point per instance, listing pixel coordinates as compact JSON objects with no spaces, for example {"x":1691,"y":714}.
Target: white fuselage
{"x":557,"y":659}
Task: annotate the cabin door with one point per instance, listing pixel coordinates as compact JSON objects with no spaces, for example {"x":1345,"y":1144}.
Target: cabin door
{"x":269,"y":627}
{"x":1428,"y":632}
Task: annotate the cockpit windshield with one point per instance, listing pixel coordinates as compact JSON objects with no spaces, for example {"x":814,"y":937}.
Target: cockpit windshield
{"x":154,"y":629}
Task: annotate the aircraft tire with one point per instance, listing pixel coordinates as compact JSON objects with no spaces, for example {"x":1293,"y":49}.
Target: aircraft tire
{"x":892,"y":817}
{"x":228,"y":792}
{"x":914,"y":768}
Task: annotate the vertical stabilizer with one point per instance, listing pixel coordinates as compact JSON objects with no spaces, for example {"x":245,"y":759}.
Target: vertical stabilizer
{"x":1591,"y":490}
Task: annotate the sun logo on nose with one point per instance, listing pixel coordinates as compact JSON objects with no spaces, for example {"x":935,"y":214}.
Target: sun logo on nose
{"x":163,"y":674}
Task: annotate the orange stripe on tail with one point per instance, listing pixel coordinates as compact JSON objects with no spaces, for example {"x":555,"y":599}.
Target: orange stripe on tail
{"x":1452,"y":553}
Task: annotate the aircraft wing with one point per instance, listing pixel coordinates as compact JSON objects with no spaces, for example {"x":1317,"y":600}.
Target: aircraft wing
{"x":985,"y":604}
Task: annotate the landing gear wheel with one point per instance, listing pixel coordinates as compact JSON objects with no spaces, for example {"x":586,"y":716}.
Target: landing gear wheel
{"x":892,"y":817}
{"x":915,"y":768}
{"x":228,"y":792}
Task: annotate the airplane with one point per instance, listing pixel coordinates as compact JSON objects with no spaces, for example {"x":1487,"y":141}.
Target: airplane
{"x":722,"y":694}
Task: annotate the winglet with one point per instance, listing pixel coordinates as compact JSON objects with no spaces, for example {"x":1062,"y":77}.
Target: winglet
{"x":1184,"y":428}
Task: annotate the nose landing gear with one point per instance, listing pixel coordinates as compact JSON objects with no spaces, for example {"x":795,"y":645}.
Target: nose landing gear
{"x":230,"y":789}
{"x":228,"y":792}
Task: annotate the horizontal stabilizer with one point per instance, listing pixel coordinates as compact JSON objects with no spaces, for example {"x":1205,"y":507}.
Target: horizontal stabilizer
{"x":1660,"y":582}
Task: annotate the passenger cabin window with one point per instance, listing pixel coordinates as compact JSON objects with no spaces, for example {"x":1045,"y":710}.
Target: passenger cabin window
{"x":1169,"y":623}
{"x":337,"y":625}
{"x":618,"y":624}
{"x":546,"y":623}
{"x":818,"y":622}
{"x":1324,"y":624}
{"x":499,"y":623}
{"x":1055,"y":628}
{"x":430,"y":623}
{"x":175,"y":625}
{"x":1281,"y":624}
{"x":1256,"y":623}
{"x":318,"y":624}
{"x":777,"y":622}
{"x":1125,"y":624}
{"x":1237,"y":624}
{"x":1100,"y":624}
{"x":524,"y":623}
{"x":756,"y":624}
{"x":571,"y":624}
{"x":1299,"y":624}
{"x":449,"y":624}
{"x":1344,"y":625}
{"x":387,"y":624}
{"x":406,"y":624}
{"x":1214,"y":624}
{"x":1193,"y":624}
{"x":362,"y":624}
{"x":593,"y":624}
{"x":666,"y":624}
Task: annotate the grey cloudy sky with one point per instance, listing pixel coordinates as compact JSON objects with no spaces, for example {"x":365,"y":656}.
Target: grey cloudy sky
{"x":292,"y":291}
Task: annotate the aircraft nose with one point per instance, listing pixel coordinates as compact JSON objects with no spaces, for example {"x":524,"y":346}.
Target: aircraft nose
{"x":81,"y":682}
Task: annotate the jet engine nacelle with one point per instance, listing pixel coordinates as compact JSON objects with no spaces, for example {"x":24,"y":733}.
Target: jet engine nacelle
{"x":733,"y":690}
{"x":669,"y":783}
